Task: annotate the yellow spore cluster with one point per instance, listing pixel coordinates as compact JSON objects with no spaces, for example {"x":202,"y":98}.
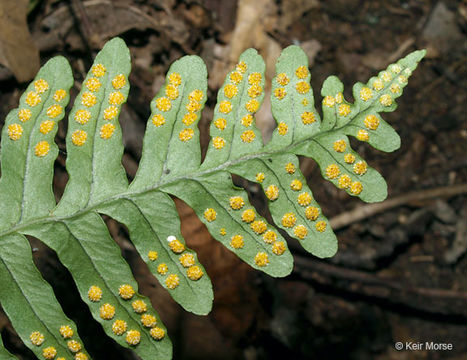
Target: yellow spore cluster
{"x":340,"y":145}
{"x":94,"y":293}
{"x":278,"y":247}
{"x":187,"y":260}
{"x":296,"y":185}
{"x":133,"y":337}
{"x":153,"y":255}
{"x":49,"y":353}
{"x":139,"y":306}
{"x":300,"y":231}
{"x":282,"y":129}
{"x":308,"y":118}
{"x":269,"y":236}
{"x":176,"y":246}
{"x":272,"y":192}
{"x":79,"y":137}
{"x":42,"y":148}
{"x":46,"y":126}
{"x":258,"y":226}
{"x":107,"y":131}
{"x":74,"y":346}
{"x":119,"y":327}
{"x":107,"y":311}
{"x":172,"y":281}
{"x":312,"y":213}
{"x":66,"y":331}
{"x":248,"y":136}
{"x":148,"y":320}
{"x":194,"y":273}
{"x":289,"y":220}
{"x":332,"y":171}
{"x":157,"y":333}
{"x":237,"y":242}
{"x":236,"y":202}
{"x":261,"y":259}
{"x":210,"y":214}
{"x":37,"y":338}
{"x":15,"y":131}
{"x":41,"y":86}
{"x":126,"y":291}
{"x":248,"y":216}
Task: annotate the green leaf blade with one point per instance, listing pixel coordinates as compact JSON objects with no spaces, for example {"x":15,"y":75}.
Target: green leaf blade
{"x":150,"y":232}
{"x":28,"y":150}
{"x":94,"y":139}
{"x":171,"y":142}
{"x":29,"y":301}
{"x":241,"y":234}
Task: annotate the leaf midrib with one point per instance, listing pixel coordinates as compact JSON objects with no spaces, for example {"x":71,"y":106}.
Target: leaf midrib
{"x":168,"y":181}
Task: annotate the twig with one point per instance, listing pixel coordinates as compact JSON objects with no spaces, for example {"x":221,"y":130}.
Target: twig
{"x":434,"y":301}
{"x":365,"y":211}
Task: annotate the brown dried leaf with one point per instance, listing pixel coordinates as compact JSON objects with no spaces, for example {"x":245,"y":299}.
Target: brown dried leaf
{"x":17,"y":50}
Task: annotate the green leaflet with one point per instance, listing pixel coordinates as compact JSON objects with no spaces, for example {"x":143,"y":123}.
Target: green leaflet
{"x":29,"y":301}
{"x":4,"y":353}
{"x":171,"y":165}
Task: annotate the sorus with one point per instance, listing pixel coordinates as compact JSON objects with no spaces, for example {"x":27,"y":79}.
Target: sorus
{"x":175,"y":79}
{"x":74,"y":346}
{"x":301,"y":72}
{"x":133,"y":337}
{"x":236,"y":202}
{"x":157,"y":333}
{"x":385,"y":100}
{"x":371,"y":122}
{"x":321,"y":226}
{"x":339,"y":98}
{"x":98,"y":70}
{"x":107,"y":130}
{"x":282,"y":79}
{"x":218,"y":142}
{"x":171,"y":92}
{"x":107,"y":311}
{"x":116,"y":98}
{"x":139,"y":306}
{"x":356,"y":188}
{"x":344,"y":110}
{"x":163,"y":104}
{"x":308,"y":118}
{"x":235,"y":77}
{"x":88,"y":99}
{"x":210,"y":214}
{"x":282,"y":128}
{"x":82,"y":116}
{"x":349,"y":158}
{"x":378,"y":84}
{"x":93,"y":84}
{"x":296,"y":185}
{"x":236,"y":241}
{"x":49,"y":352}
{"x":278,"y":248}
{"x":148,"y":320}
{"x":247,"y":120}
{"x":119,"y":327}
{"x":24,"y":114}
{"x":42,"y":148}
{"x":261,"y":259}
{"x":33,"y":98}
{"x":254,"y":78}
{"x":248,"y":136}
{"x":269,"y":236}
{"x":79,"y":137}
{"x":360,"y":168}
{"x":66,"y":331}
{"x":15,"y":131}
{"x":290,"y":168}
{"x":225,"y":106}
{"x":332,"y":171}
{"x":94,"y":293}
{"x":230,"y":91}
{"x":248,"y":216}
{"x":362,"y":135}
{"x":255,"y":91}
{"x":312,"y":213}
{"x":272,"y":192}
{"x":220,"y":123}
{"x":194,"y":273}
{"x":340,"y":145}
{"x":172,"y":281}
{"x":260,"y":177}
{"x":289,"y":219}
{"x":302,"y":87}
{"x":162,"y":269}
{"x":37,"y":338}
{"x":176,"y":246}
{"x":189,"y":118}
{"x":158,"y":120}
{"x":187,"y":260}
{"x":126,"y":291}
{"x":186,"y":134}
{"x":153,"y":255}
{"x":119,"y":81}
{"x":110,"y":112}
{"x":300,"y":231}
{"x":344,"y":181}
{"x":54,"y":110}
{"x":40,"y":85}
{"x":304,"y":199}
{"x":258,"y":226}
{"x":252,"y":105}
{"x":366,"y":94}
{"x":329,"y":101}
{"x":81,"y":356}
{"x":280,"y":93}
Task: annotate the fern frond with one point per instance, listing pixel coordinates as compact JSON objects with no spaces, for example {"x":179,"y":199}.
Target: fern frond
{"x":171,"y":166}
{"x":4,"y":353}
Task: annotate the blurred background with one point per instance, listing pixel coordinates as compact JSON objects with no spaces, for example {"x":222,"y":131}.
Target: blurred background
{"x":400,"y":273}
